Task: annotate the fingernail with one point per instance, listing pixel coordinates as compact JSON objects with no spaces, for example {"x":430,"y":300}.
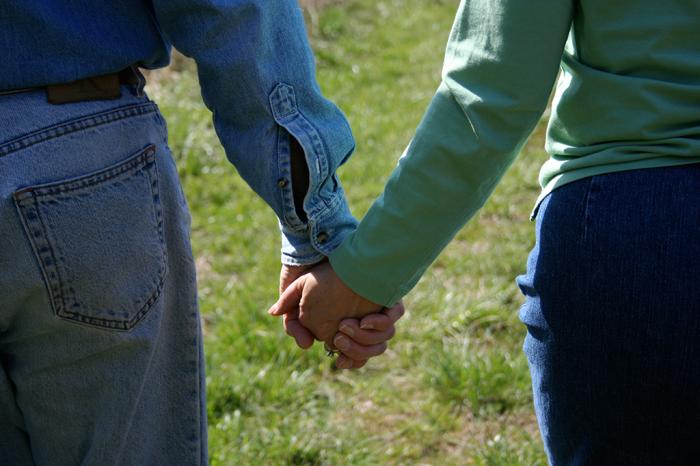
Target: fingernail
{"x":342,"y":343}
{"x":346,"y":329}
{"x":367,"y":326}
{"x":271,"y":310}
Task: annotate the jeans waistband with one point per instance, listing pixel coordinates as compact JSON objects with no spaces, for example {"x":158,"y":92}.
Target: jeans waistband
{"x":104,"y":87}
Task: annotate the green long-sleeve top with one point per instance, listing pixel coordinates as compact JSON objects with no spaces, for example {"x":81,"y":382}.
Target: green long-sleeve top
{"x":628,"y":97}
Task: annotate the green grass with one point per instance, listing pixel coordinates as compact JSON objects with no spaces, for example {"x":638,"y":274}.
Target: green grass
{"x":454,"y":387}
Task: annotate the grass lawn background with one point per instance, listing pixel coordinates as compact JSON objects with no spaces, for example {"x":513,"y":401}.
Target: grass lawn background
{"x":453,"y":387}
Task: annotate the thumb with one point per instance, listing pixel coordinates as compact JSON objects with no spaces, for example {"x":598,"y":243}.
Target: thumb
{"x":289,"y":299}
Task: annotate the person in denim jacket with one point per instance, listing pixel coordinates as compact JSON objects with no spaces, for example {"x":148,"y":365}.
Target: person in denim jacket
{"x":100,"y":345}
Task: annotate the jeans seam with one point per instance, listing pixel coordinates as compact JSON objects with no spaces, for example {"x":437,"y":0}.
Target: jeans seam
{"x":163,"y":125}
{"x":72,"y":126}
{"x":587,"y":208}
{"x":55,"y":285}
{"x":198,"y":389}
{"x":158,"y":213}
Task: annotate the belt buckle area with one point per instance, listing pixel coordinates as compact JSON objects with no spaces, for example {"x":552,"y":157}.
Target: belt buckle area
{"x":105,"y":87}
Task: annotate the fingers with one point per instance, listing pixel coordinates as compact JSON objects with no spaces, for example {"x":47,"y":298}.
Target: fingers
{"x":289,"y":273}
{"x":356,"y":351}
{"x":289,"y":299}
{"x":344,"y":362}
{"x":359,"y":364}
{"x":285,"y":282}
{"x":395,"y":312}
{"x":351,"y":328}
{"x":360,"y":340}
{"x":303,"y":338}
{"x":378,"y":321}
{"x":383,"y":320}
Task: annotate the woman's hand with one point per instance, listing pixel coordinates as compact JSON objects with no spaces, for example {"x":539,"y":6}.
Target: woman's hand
{"x":316,"y":303}
{"x":357,"y":337}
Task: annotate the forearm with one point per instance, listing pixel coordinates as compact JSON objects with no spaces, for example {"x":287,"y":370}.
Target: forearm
{"x":500,"y":67}
{"x":257,"y":75}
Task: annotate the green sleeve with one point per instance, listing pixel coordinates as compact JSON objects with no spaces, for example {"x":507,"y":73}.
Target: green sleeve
{"x":501,"y":62}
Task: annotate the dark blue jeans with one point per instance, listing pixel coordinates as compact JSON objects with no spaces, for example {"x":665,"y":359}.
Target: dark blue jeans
{"x":613,"y":319}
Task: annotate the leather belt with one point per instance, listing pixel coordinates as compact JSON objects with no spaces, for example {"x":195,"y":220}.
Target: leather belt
{"x":104,"y":87}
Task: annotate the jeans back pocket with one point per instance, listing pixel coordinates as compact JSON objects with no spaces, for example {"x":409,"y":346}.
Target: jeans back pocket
{"x":99,"y":242}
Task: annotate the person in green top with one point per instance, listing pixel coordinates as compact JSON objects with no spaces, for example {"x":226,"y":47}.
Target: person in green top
{"x":612,"y":304}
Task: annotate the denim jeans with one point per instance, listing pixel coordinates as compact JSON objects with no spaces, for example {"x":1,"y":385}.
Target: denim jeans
{"x":613,"y":319}
{"x":100,"y":343}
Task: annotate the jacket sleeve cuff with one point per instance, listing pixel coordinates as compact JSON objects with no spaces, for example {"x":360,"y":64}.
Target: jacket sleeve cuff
{"x":324,"y":232}
{"x":297,"y":250}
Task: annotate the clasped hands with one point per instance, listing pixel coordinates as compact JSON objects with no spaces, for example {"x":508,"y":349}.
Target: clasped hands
{"x":317,"y":305}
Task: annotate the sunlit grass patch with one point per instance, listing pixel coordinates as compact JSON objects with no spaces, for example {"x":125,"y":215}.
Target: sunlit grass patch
{"x":486,"y":381}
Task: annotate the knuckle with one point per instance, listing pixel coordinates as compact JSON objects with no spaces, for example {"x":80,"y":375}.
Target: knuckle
{"x":303,"y":307}
{"x":303,"y":318}
{"x":353,"y":324}
{"x":362,"y":337}
{"x":380,"y":323}
{"x":381,"y":348}
{"x":354,"y":352}
{"x":375,"y":337}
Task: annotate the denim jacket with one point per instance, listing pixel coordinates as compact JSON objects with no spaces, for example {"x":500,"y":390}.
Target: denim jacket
{"x":257,"y":76}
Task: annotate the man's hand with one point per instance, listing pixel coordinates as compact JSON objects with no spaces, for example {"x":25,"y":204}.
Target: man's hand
{"x":317,"y":301}
{"x":288,"y":275}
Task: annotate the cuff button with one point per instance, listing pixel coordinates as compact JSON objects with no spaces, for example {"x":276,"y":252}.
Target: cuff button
{"x":322,"y":237}
{"x":282,"y":182}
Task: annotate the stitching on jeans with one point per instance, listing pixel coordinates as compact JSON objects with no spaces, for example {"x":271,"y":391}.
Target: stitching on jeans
{"x":56,"y":285}
{"x":72,"y":126}
{"x":54,"y":282}
{"x":59,"y":300}
{"x":144,"y":159}
{"x":158,"y":212}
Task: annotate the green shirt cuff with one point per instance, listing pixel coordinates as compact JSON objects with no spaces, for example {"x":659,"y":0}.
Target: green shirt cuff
{"x":361,"y":280}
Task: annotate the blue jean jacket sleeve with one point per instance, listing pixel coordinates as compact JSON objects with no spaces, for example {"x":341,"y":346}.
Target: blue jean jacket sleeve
{"x":257,"y":76}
